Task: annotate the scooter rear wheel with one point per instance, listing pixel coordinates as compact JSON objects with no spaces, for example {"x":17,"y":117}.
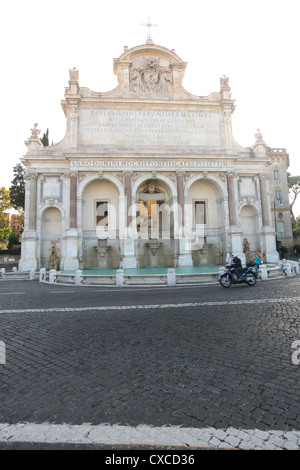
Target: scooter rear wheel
{"x":251,"y":279}
{"x":225,"y":281}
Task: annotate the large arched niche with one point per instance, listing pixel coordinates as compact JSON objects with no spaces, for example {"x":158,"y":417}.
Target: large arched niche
{"x":153,"y":209}
{"x":94,"y":193}
{"x":100,"y":224}
{"x":154,"y":222}
{"x":249,"y":226}
{"x":51,"y":235}
{"x":205,"y":215}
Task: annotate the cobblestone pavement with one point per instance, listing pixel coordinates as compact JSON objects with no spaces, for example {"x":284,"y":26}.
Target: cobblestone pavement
{"x":198,"y":366}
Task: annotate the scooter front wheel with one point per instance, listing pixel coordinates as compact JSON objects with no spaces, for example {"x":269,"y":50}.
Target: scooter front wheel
{"x":225,"y":281}
{"x":251,"y":279}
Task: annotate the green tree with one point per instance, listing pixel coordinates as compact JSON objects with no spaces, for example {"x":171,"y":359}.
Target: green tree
{"x":5,"y":205}
{"x":294,"y":190}
{"x":45,"y":138}
{"x":17,"y":188}
{"x":296,"y":231}
{"x":13,"y":239}
{"x":284,"y":251}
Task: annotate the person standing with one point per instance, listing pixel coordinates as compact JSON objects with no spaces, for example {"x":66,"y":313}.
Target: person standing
{"x":257,"y":260}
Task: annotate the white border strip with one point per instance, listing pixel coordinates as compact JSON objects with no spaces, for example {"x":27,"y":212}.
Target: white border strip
{"x":157,"y":306}
{"x":105,"y":434}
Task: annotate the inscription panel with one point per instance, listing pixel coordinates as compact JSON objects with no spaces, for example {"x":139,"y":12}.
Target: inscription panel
{"x":111,"y":164}
{"x":138,"y":128}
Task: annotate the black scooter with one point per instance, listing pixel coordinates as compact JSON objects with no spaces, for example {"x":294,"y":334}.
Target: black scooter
{"x":247,"y":276}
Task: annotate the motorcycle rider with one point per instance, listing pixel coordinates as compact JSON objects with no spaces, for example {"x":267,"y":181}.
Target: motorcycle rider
{"x":236,"y":265}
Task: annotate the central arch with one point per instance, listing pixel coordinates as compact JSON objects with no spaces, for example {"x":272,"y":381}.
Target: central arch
{"x":154,"y":222}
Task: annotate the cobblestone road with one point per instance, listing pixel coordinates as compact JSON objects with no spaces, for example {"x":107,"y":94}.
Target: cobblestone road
{"x":199,"y":363}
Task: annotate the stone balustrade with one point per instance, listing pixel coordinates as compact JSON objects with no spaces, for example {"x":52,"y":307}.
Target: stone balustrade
{"x":285,"y":268}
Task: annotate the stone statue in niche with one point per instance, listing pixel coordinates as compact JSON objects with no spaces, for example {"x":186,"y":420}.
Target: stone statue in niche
{"x":54,"y":260}
{"x":151,"y":77}
{"x":247,"y":249}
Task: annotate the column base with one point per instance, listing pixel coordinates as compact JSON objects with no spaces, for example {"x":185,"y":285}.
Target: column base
{"x":129,"y":258}
{"x":28,"y":259}
{"x":70,"y":262}
{"x":185,"y":254}
{"x":272,"y":257}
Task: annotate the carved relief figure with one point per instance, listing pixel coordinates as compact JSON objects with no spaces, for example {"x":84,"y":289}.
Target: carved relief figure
{"x":151,"y":72}
{"x":165,"y":77}
{"x":151,"y":187}
{"x":137,"y":79}
{"x":151,"y":77}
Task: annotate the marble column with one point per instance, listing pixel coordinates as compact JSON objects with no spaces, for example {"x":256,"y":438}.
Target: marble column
{"x":180,"y":194}
{"x":29,"y":236}
{"x":73,"y":200}
{"x":268,"y":235}
{"x":32,"y":201}
{"x":73,"y":124}
{"x":128,"y":245}
{"x":266,"y":213}
{"x":231,"y":198}
{"x":235,"y":231}
{"x":184,"y":232}
{"x":70,"y":260}
{"x":127,"y":181}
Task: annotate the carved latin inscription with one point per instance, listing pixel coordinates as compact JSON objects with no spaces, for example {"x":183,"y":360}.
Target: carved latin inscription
{"x":133,"y":127}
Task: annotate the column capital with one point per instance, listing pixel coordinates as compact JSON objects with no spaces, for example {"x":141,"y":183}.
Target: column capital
{"x":263,"y":176}
{"x":231,"y":174}
{"x":180,"y":172}
{"x":31,"y":175}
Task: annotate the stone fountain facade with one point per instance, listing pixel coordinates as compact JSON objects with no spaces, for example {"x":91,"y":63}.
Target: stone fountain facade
{"x":151,"y":175}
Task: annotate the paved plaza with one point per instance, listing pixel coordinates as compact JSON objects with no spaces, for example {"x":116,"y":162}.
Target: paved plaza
{"x":197,"y":366}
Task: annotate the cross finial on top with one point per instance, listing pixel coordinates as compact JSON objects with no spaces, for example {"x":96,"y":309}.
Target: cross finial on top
{"x":149,"y":26}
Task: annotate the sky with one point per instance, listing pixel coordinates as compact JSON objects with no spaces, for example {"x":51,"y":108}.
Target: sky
{"x":254,"y":43}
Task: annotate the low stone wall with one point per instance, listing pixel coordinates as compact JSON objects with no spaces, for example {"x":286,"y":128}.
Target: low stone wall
{"x":283,"y":269}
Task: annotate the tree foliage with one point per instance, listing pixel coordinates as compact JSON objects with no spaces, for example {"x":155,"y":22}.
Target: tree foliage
{"x":5,"y":204}
{"x":294,"y":190}
{"x":17,"y":188}
{"x":296,"y":231}
{"x":45,"y":138}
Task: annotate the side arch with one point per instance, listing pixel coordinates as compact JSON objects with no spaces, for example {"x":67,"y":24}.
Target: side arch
{"x":51,"y":234}
{"x":249,"y":222}
{"x":88,"y":179}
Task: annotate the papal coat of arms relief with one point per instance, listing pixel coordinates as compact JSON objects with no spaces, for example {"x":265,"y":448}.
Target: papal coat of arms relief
{"x":151,"y":77}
